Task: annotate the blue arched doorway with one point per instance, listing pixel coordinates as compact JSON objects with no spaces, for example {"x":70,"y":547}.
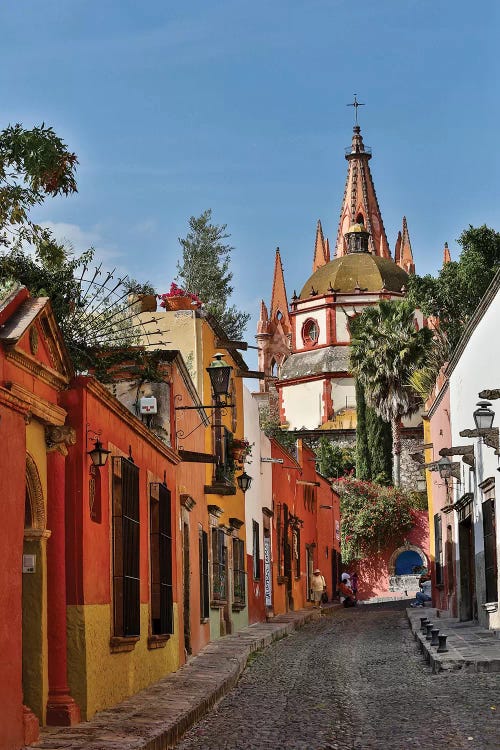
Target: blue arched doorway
{"x":406,"y":563}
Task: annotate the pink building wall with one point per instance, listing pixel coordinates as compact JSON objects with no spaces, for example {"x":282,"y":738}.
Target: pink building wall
{"x":374,"y":572}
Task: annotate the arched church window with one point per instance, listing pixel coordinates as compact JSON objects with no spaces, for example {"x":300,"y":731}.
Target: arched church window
{"x":310,"y":332}
{"x":360,"y":219}
{"x":279,"y":315}
{"x":274,"y":368}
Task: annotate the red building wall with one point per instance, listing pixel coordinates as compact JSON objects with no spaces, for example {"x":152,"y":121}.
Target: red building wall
{"x":13,"y":477}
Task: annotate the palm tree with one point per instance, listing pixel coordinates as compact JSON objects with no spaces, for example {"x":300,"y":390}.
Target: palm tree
{"x":385,"y":349}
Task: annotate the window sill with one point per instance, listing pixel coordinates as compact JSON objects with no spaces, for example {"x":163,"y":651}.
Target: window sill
{"x":217,"y":604}
{"x":204,"y":620}
{"x":238,"y":606}
{"x":119,"y":644}
{"x":440,"y":586}
{"x":220,"y":488}
{"x":158,"y":641}
{"x":282,"y":579}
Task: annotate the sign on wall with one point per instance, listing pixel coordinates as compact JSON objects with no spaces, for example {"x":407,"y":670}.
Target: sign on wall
{"x":268,"y":578}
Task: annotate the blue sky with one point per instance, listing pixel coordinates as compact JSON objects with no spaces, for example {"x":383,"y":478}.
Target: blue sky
{"x":240,"y":107}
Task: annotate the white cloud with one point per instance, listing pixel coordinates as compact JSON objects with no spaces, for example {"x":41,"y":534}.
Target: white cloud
{"x":82,"y":239}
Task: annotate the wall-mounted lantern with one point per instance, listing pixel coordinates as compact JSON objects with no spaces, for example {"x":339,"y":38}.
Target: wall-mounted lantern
{"x":483,"y":416}
{"x":220,"y":374}
{"x":98,"y":454}
{"x":244,"y":481}
{"x":445,"y":467}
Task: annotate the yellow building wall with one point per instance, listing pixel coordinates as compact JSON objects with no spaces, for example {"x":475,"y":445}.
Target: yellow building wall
{"x":233,"y":505}
{"x":428,"y":478}
{"x":99,"y":678}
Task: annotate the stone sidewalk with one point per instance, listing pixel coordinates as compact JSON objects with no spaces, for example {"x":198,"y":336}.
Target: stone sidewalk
{"x":470,"y":647}
{"x":158,"y":716}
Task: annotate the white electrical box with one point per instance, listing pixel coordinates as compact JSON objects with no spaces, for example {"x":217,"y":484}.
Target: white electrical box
{"x":148,"y":405}
{"x":29,"y":563}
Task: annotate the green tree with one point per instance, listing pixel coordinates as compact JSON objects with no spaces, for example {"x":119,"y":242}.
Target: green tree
{"x":373,"y":516}
{"x":363,"y":462}
{"x":204,"y":271}
{"x":334,"y":460}
{"x":34,"y":164}
{"x":385,"y":349}
{"x":380,"y":447}
{"x":270,"y":425}
{"x":455,"y":293}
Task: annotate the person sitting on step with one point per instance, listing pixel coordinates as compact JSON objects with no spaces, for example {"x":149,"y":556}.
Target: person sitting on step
{"x":425,"y":593}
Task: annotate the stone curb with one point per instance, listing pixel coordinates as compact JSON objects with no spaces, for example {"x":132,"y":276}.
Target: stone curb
{"x":157,"y":717}
{"x":453,"y":659}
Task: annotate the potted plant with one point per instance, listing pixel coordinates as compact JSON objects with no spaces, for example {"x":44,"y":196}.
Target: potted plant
{"x":241,"y":449}
{"x":179,"y":299}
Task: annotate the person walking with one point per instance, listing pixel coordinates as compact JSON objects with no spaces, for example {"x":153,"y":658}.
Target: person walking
{"x":318,"y":585}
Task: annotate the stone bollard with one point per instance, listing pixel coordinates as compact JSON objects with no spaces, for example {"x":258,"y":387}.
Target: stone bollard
{"x":423,"y":629}
{"x":428,"y":629}
{"x":442,"y":648}
{"x":422,"y":620}
{"x":434,"y":639}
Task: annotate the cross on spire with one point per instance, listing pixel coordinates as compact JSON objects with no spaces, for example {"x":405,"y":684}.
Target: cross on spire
{"x":356,"y":104}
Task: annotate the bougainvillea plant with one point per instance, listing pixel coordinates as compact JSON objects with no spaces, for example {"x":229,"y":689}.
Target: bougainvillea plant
{"x":372,"y":516}
{"x":177,"y":291}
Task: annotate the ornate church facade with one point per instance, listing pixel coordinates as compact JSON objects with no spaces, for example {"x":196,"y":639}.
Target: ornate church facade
{"x":304,"y":346}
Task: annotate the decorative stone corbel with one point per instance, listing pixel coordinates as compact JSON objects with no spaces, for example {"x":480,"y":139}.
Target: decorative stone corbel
{"x":490,"y":437}
{"x":466,"y":451}
{"x":59,"y":438}
{"x":490,"y":395}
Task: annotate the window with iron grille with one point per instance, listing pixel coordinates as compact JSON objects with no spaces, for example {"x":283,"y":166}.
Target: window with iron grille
{"x":224,"y":467}
{"x":126,"y":581}
{"x":490,"y":553}
{"x":279,"y":540}
{"x":296,"y":551}
{"x":309,"y":497}
{"x":204,"y":577}
{"x":219,"y":566}
{"x":438,"y":549}
{"x":239,"y":576}
{"x":256,"y":550}
{"x":162,"y":604}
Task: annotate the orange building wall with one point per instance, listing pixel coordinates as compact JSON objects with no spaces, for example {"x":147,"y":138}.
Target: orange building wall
{"x":13,"y":473}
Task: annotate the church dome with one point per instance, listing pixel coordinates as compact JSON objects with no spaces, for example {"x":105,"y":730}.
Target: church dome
{"x":362,"y":271}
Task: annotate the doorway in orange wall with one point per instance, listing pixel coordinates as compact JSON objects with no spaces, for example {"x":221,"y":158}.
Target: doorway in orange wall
{"x":187,"y":588}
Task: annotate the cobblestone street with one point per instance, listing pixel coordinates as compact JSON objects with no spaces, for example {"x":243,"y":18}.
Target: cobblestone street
{"x":354,"y":679}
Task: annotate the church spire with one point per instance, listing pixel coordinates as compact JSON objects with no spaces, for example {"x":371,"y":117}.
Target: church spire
{"x":446,"y":254}
{"x":403,"y":255}
{"x":360,"y":204}
{"x":321,"y":249}
{"x":279,"y":304}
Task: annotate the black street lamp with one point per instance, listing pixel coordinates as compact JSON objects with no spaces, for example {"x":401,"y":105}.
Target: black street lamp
{"x":244,"y":481}
{"x":484,"y":416}
{"x":98,"y":454}
{"x":220,"y":373}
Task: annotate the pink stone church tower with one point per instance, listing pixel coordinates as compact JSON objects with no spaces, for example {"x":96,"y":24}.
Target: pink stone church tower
{"x":304,"y":347}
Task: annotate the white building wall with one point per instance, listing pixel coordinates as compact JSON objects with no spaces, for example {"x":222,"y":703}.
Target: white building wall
{"x":260,"y":493}
{"x":343,"y":393}
{"x":303,"y":404}
{"x":478,"y":369}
